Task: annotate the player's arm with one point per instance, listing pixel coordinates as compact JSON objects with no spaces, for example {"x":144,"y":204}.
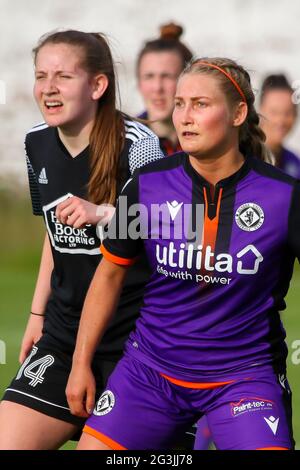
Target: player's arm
{"x":119,"y":252}
{"x":41,"y":295}
{"x":144,"y":151}
{"x":100,"y":304}
{"x":294,"y":222}
{"x":35,"y":323}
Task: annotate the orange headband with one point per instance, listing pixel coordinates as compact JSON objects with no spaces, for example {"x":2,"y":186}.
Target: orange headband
{"x":227,"y":75}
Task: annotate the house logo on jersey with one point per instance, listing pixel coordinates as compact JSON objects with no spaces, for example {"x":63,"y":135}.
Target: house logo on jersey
{"x":43,"y":177}
{"x":249,"y":217}
{"x":105,"y":403}
{"x":174,"y":207}
{"x":67,"y":239}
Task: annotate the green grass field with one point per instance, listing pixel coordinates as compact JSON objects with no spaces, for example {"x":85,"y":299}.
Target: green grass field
{"x":20,"y":241}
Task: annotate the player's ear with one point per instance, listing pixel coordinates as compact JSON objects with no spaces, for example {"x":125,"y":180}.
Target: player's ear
{"x":240,"y":114}
{"x":100,"y":84}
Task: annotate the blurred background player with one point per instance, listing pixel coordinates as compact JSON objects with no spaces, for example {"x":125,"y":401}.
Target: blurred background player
{"x":159,"y":65}
{"x":278,"y":117}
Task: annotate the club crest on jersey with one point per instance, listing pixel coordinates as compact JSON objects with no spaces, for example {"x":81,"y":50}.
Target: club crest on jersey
{"x":105,"y":403}
{"x":249,"y":217}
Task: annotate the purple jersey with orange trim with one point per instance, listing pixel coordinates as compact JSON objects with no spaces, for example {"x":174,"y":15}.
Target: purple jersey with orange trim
{"x":221,"y":265}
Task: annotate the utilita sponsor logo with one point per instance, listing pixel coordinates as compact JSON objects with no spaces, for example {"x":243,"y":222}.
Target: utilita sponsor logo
{"x":190,"y":257}
{"x":250,"y":405}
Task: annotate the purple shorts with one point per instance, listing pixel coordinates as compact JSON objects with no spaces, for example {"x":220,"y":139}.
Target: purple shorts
{"x":140,"y":409}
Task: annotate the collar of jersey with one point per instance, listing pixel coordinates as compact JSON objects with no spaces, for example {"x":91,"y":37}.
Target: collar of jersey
{"x":226,"y":182}
{"x":65,"y":151}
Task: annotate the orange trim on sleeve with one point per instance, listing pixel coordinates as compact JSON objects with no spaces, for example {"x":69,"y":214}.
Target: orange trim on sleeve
{"x":116,"y":259}
{"x":101,"y":437}
{"x":273,"y":448}
{"x":198,"y":385}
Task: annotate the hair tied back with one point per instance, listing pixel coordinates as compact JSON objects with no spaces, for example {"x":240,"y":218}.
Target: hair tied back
{"x":171,"y":31}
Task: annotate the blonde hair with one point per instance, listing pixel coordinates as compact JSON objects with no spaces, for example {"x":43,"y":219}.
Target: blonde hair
{"x":251,"y":136}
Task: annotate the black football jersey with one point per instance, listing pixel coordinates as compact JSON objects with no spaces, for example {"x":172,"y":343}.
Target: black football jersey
{"x":55,"y":175}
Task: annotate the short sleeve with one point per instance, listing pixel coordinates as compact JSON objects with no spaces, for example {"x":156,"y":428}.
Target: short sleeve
{"x":33,"y":184}
{"x":144,"y":151}
{"x":294,"y":221}
{"x":122,"y":242}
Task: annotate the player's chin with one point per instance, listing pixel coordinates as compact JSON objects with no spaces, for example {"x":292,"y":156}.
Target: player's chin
{"x":159,"y":114}
{"x":54,"y":121}
{"x":189,"y":147}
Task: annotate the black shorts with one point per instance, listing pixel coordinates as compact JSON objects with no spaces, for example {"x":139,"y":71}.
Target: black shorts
{"x":42,"y":379}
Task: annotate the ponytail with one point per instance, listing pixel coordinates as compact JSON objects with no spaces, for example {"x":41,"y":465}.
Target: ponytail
{"x":252,"y":137}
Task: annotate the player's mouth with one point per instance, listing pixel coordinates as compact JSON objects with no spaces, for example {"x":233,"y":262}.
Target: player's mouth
{"x":281,"y":129}
{"x":188,"y":134}
{"x":53,"y":105}
{"x":158,"y":103}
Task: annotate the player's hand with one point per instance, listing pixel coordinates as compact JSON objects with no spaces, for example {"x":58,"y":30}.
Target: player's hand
{"x":31,"y":336}
{"x":78,"y":212}
{"x":80,"y":391}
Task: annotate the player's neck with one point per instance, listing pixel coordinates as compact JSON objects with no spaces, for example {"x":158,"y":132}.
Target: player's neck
{"x":165,"y":129}
{"x":76,"y":140}
{"x":216,"y":169}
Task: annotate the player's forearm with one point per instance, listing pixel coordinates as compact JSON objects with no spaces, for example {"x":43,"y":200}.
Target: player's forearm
{"x":99,"y":307}
{"x":43,"y":283}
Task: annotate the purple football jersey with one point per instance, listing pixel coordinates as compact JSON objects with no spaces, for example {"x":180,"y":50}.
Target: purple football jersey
{"x":221,"y":266}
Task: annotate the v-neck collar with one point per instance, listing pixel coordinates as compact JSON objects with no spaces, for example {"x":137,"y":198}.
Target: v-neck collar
{"x":225,"y":182}
{"x":80,"y":156}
